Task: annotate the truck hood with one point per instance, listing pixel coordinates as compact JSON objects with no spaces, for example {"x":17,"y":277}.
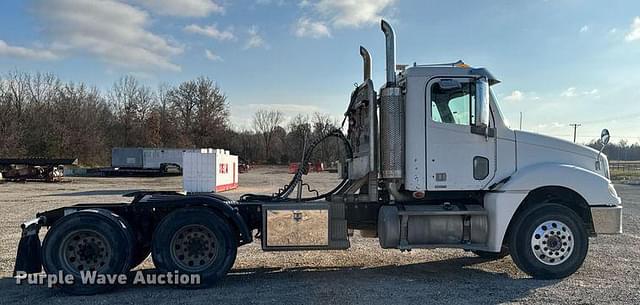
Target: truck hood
{"x":535,"y":148}
{"x":557,"y":144}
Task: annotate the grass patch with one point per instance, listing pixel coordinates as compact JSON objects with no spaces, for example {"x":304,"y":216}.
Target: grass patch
{"x":618,"y":174}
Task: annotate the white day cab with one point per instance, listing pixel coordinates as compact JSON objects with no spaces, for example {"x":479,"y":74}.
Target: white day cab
{"x":430,"y":164}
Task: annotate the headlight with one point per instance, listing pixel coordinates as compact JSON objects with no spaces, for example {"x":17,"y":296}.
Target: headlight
{"x":612,"y":190}
{"x":603,"y":164}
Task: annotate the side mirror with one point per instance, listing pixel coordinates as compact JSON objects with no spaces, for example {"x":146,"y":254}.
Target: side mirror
{"x":482,"y":104}
{"x":604,"y":137}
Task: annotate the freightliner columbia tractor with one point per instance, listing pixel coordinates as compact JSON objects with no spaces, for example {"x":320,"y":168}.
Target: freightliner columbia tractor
{"x":430,"y":163}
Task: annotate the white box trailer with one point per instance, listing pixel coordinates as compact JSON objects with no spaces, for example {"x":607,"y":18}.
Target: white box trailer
{"x":209,"y":170}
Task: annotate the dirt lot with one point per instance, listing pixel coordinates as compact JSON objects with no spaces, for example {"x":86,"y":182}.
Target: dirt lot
{"x":364,"y":274}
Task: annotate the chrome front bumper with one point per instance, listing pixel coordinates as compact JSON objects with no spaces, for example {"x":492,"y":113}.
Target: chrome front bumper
{"x":607,"y":219}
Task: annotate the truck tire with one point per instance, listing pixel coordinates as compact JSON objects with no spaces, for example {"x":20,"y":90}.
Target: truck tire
{"x":549,"y":241}
{"x":491,"y":255}
{"x":92,"y":240}
{"x":195,"y":241}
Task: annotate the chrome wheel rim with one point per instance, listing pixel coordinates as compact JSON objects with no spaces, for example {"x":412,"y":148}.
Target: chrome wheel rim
{"x":552,"y":242}
{"x":85,"y":251}
{"x":193,"y":248}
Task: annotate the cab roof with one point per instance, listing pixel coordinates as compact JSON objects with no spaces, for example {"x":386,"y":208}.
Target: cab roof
{"x":455,"y":69}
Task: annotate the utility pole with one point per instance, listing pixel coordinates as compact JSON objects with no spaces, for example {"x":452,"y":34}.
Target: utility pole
{"x":520,"y":120}
{"x":575,"y":127}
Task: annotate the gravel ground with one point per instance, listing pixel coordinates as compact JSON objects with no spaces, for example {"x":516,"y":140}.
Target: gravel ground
{"x":364,"y":274}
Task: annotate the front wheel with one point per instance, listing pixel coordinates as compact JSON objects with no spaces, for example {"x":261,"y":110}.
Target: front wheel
{"x":549,"y":241}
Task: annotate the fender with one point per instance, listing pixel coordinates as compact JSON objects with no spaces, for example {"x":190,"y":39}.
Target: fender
{"x":593,"y":187}
{"x":216,"y":202}
{"x":502,"y":203}
{"x":146,"y":203}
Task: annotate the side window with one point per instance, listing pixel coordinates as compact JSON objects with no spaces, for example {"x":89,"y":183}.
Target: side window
{"x":452,"y":102}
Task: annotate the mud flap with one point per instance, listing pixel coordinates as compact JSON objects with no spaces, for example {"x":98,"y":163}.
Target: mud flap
{"x":29,"y":256}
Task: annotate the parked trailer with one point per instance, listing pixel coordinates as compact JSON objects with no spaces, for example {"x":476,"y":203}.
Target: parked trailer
{"x":430,"y":164}
{"x":37,"y":169}
{"x":138,"y":160}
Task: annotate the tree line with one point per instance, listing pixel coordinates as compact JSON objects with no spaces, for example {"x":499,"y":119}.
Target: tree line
{"x":44,"y":116}
{"x":621,"y":151}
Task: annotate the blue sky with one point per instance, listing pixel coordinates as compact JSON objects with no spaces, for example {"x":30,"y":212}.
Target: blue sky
{"x":561,"y":61}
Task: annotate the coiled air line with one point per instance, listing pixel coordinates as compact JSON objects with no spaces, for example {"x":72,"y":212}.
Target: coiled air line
{"x":283,"y":194}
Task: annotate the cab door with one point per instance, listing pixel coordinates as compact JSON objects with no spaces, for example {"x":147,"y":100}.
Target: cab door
{"x":457,"y":158}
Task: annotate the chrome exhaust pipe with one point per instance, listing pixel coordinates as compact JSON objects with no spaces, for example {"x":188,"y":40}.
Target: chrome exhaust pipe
{"x":366,"y":58}
{"x":392,"y":122}
{"x":391,"y":51}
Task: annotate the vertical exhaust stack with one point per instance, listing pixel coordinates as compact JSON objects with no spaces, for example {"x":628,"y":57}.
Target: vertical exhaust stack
{"x":391,"y":119}
{"x":373,"y":120}
{"x":366,"y":58}
{"x":390,"y":38}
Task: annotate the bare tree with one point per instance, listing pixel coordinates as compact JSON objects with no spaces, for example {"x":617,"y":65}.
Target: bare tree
{"x":212,"y":113}
{"x":266,"y":122}
{"x":169,"y":135}
{"x":202,"y":111}
{"x":42,"y":116}
{"x":243,"y":143}
{"x":13,"y":101}
{"x":322,"y":124}
{"x":299,"y":132}
{"x":132,"y":102}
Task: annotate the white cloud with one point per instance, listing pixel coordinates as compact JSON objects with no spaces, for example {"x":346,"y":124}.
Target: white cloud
{"x":26,"y":53}
{"x":593,"y":93}
{"x":584,"y":29}
{"x":590,"y":92}
{"x":352,"y":13}
{"x":573,"y":92}
{"x":306,"y":27}
{"x":634,"y":32}
{"x":304,"y":3}
{"x":212,"y":56}
{"x":183,"y":8}
{"x":254,"y":40}
{"x":115,"y":32}
{"x":210,"y":31}
{"x":267,"y":2}
{"x":613,"y":31}
{"x":515,"y":96}
{"x":570,"y":92}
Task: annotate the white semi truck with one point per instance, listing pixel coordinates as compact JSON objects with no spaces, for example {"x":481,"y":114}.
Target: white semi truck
{"x":430,"y":164}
